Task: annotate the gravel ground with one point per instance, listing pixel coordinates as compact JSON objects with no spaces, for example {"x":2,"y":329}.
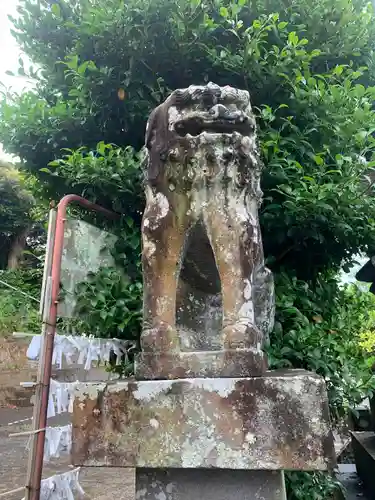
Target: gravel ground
{"x":98,"y":483}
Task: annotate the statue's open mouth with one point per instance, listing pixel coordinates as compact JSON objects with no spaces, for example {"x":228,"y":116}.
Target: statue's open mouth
{"x":195,"y":125}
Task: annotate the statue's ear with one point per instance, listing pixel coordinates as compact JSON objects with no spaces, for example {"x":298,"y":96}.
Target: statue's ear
{"x":144,"y":157}
{"x":150,"y":128}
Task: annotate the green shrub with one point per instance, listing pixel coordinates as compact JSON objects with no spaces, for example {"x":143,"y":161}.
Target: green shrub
{"x":319,"y":328}
{"x":109,"y":305}
{"x":17,"y":311}
{"x":311,"y":486}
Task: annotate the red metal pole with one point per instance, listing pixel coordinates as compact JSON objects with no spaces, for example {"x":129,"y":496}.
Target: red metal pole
{"x":36,"y":476}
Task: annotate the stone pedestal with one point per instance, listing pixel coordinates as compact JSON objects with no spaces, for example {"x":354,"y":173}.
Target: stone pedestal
{"x":276,"y":422}
{"x":191,"y":484}
{"x":206,"y":438}
{"x":364,"y":454}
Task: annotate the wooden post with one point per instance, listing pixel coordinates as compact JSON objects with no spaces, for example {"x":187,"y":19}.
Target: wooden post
{"x":48,"y":258}
{"x":33,"y":490}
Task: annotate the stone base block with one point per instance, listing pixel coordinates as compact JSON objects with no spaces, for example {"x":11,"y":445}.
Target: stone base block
{"x":279,"y":421}
{"x":364,"y":454}
{"x":189,"y":484}
{"x":207,"y":364}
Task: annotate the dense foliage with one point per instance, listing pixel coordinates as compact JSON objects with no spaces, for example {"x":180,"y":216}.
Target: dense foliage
{"x":19,"y":304}
{"x":312,"y":486}
{"x":15,"y":215}
{"x":100,"y":67}
{"x":102,"y":70}
{"x":322,"y":329}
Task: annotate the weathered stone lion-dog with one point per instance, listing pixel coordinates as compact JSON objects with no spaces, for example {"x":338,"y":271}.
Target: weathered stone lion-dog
{"x":201,"y":225}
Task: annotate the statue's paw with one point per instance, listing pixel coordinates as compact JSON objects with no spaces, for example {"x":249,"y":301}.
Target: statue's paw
{"x":161,"y":337}
{"x":242,"y":336}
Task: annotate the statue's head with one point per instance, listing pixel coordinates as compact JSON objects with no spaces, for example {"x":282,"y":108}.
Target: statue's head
{"x":196,"y":118}
{"x":211,"y":109}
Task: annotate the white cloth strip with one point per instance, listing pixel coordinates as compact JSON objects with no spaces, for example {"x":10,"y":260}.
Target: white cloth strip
{"x":61,"y":486}
{"x":61,"y":397}
{"x":88,"y":349}
{"x":58,"y":442}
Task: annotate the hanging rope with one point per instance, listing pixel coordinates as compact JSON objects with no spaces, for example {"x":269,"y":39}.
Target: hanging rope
{"x":19,"y":291}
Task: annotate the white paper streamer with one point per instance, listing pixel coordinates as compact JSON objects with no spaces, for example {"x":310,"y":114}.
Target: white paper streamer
{"x":34,"y":348}
{"x":88,"y":349}
{"x":61,"y":487}
{"x":58,"y":442}
{"x":61,"y":397}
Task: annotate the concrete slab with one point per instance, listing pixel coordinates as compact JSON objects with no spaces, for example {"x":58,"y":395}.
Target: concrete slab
{"x":186,"y":484}
{"x":351,"y":483}
{"x":364,"y":454}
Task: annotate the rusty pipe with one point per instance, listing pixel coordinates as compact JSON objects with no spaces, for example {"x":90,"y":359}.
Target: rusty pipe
{"x":33,"y":487}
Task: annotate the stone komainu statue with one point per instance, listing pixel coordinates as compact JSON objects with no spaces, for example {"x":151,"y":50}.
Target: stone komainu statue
{"x":202,"y":246}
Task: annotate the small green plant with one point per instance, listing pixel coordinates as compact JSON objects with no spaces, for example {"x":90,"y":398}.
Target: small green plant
{"x":311,"y":486}
{"x":367,"y":335}
{"x":108,"y":305}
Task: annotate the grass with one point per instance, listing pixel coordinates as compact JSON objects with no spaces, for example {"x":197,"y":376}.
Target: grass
{"x":17,"y":314}
{"x":17,"y":311}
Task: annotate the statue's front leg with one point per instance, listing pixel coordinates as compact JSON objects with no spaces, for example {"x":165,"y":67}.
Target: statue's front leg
{"x":234,"y":240}
{"x":163,"y":235}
